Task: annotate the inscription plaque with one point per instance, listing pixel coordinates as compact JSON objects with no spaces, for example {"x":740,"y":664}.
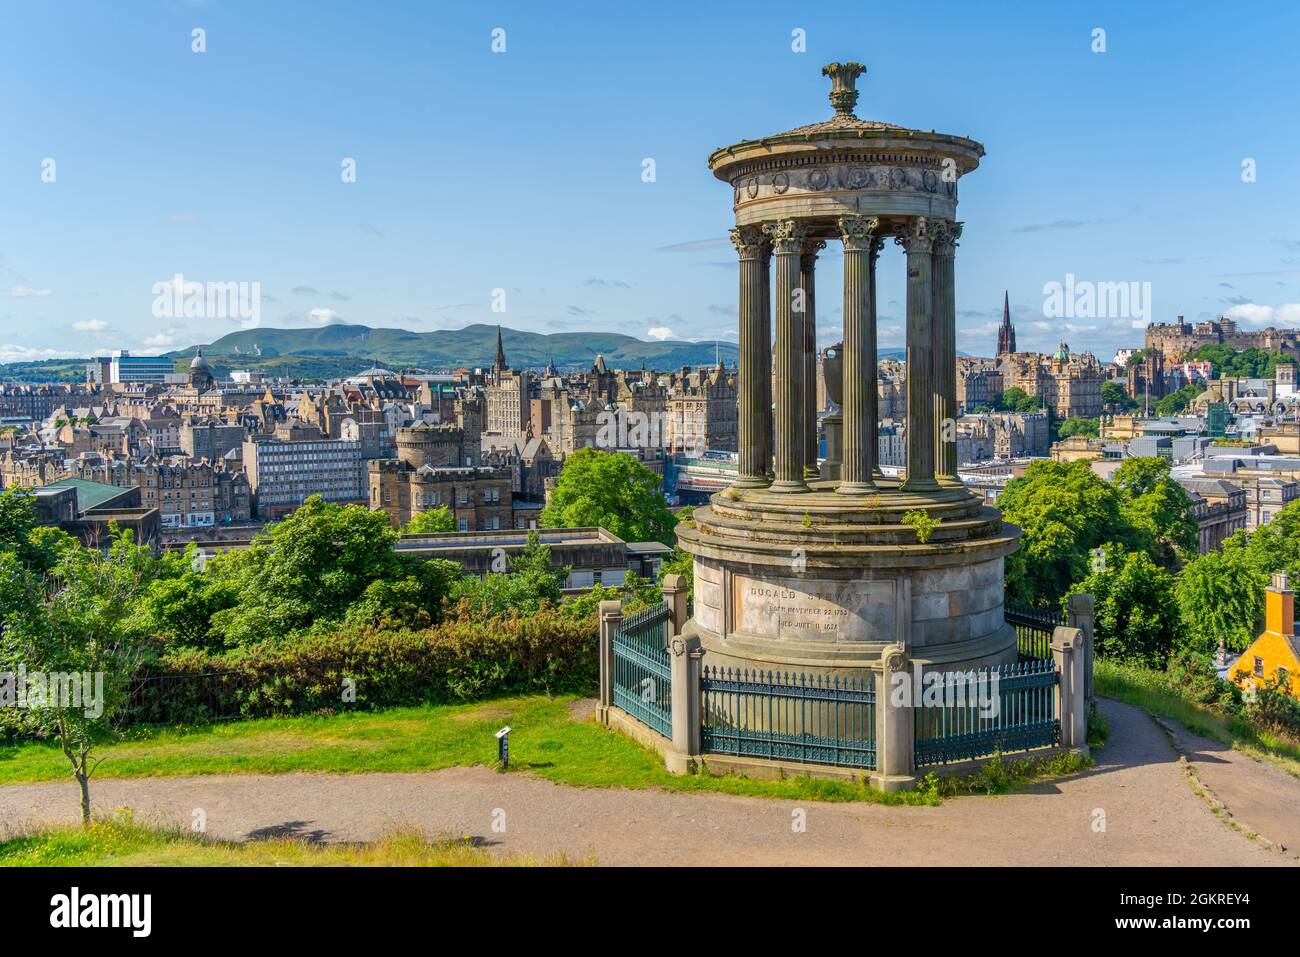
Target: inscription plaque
{"x":803,"y":610}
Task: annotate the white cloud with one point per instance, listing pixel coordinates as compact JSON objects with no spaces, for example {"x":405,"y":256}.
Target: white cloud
{"x":13,"y":353}
{"x":90,"y":325}
{"x":161,"y":340}
{"x":23,"y":292}
{"x":182,"y":219}
{"x":1253,"y":314}
{"x":324,"y":316}
{"x":659,"y":332}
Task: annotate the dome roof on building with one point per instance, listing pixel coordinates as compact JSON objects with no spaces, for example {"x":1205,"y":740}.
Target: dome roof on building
{"x":198,"y":362}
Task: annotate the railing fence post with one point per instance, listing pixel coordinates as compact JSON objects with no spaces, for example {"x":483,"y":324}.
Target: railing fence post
{"x":895,"y":723}
{"x":686,"y":657}
{"x":1067,"y":655}
{"x":611,"y":617}
{"x":1080,"y":616}
{"x":674,"y":589}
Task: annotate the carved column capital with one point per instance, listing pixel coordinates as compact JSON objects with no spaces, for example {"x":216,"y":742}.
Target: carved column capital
{"x":945,"y":243}
{"x":918,"y":235}
{"x":858,"y":233}
{"x":787,"y":235}
{"x":749,"y":241}
{"x":808,"y":255}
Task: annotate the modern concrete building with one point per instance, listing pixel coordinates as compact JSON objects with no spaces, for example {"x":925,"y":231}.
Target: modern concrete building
{"x":286,"y":469}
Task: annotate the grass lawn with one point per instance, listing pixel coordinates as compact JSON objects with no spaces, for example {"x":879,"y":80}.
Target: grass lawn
{"x":546,"y":740}
{"x":125,"y":844}
{"x":1150,"y":690}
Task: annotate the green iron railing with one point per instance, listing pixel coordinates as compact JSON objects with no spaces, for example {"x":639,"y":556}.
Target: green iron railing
{"x":1034,"y":627}
{"x":793,"y":717}
{"x":643,"y":677}
{"x":1007,"y":708}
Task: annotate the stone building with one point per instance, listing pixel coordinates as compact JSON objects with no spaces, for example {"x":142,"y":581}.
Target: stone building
{"x":506,"y":396}
{"x":702,"y":410}
{"x":978,"y":383}
{"x":187,"y":494}
{"x":203,"y":437}
{"x":1219,"y":508}
{"x":1069,"y":384}
{"x":434,"y":469}
{"x":1174,"y":340}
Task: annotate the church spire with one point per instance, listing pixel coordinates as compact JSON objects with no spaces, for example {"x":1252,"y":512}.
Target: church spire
{"x":1006,"y":332}
{"x":501,"y":352}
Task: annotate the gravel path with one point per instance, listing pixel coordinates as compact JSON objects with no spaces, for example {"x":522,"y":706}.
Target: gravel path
{"x":1151,"y":814}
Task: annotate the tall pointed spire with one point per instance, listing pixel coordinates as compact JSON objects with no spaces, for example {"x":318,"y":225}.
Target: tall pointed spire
{"x":501,"y":352}
{"x":1006,"y":332}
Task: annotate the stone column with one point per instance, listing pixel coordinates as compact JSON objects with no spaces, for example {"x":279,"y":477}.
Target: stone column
{"x":918,"y":240}
{"x":861,"y":404}
{"x":787,"y":432}
{"x":611,"y":618}
{"x":807,"y":282}
{"x":1067,"y":654}
{"x":686,"y":660}
{"x":895,"y":724}
{"x":765,"y":345}
{"x":1080,"y":612}
{"x":755,"y":380}
{"x":945,"y":355}
{"x":674,"y":589}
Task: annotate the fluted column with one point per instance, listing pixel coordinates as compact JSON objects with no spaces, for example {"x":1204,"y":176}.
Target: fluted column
{"x":861,"y":408}
{"x":945,"y":355}
{"x":807,"y":282}
{"x":787,"y":433}
{"x":917,"y":239}
{"x":754,"y":415}
{"x":765,"y":347}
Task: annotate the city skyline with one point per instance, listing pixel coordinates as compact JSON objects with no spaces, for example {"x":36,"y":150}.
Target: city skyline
{"x":479,"y":172}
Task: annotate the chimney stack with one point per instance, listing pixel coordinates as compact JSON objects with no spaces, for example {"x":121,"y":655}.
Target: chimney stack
{"x":1279,"y":606}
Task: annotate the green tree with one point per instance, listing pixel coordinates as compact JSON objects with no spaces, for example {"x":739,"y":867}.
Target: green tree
{"x":1220,"y":599}
{"x":1113,"y":395}
{"x":1064,"y":510}
{"x":1275,"y":546}
{"x":73,"y":628}
{"x":529,"y":583}
{"x":1079,"y":426}
{"x":1157,"y":508}
{"x":1178,"y":400}
{"x":178,"y":605}
{"x":614,"y":491}
{"x":1017,"y":399}
{"x":310,"y":569}
{"x":1253,"y":362}
{"x":432,"y":521}
{"x":1136,"y":615}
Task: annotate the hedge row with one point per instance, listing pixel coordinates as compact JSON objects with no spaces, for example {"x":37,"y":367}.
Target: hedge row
{"x":458,"y":660}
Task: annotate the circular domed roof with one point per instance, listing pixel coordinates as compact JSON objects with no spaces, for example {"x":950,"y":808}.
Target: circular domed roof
{"x":198,"y":362}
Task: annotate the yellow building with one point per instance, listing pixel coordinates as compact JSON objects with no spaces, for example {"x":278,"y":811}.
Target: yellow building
{"x":1276,"y":652}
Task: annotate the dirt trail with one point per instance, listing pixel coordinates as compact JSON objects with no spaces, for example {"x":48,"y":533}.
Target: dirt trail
{"x":1152,"y":816}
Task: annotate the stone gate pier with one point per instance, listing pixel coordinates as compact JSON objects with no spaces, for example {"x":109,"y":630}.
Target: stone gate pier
{"x":818,"y":571}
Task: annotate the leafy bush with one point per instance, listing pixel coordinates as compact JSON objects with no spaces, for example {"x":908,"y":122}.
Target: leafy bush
{"x":1273,"y":709}
{"x":546,"y":651}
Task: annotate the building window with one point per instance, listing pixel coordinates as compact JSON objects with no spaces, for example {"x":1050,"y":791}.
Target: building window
{"x":1259,"y":667}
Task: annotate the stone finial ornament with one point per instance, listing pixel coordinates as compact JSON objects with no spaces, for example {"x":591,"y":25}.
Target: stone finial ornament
{"x":844,"y":78}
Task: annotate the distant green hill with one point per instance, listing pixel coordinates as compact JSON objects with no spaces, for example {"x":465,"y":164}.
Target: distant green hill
{"x":451,"y":348}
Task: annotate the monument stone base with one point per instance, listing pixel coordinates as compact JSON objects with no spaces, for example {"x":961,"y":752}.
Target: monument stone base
{"x":820,"y":582}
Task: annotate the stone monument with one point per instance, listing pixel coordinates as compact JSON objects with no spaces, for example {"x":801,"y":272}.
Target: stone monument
{"x":813,"y":571}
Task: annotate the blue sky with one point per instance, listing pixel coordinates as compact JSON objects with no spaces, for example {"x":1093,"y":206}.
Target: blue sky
{"x":522,"y":170}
